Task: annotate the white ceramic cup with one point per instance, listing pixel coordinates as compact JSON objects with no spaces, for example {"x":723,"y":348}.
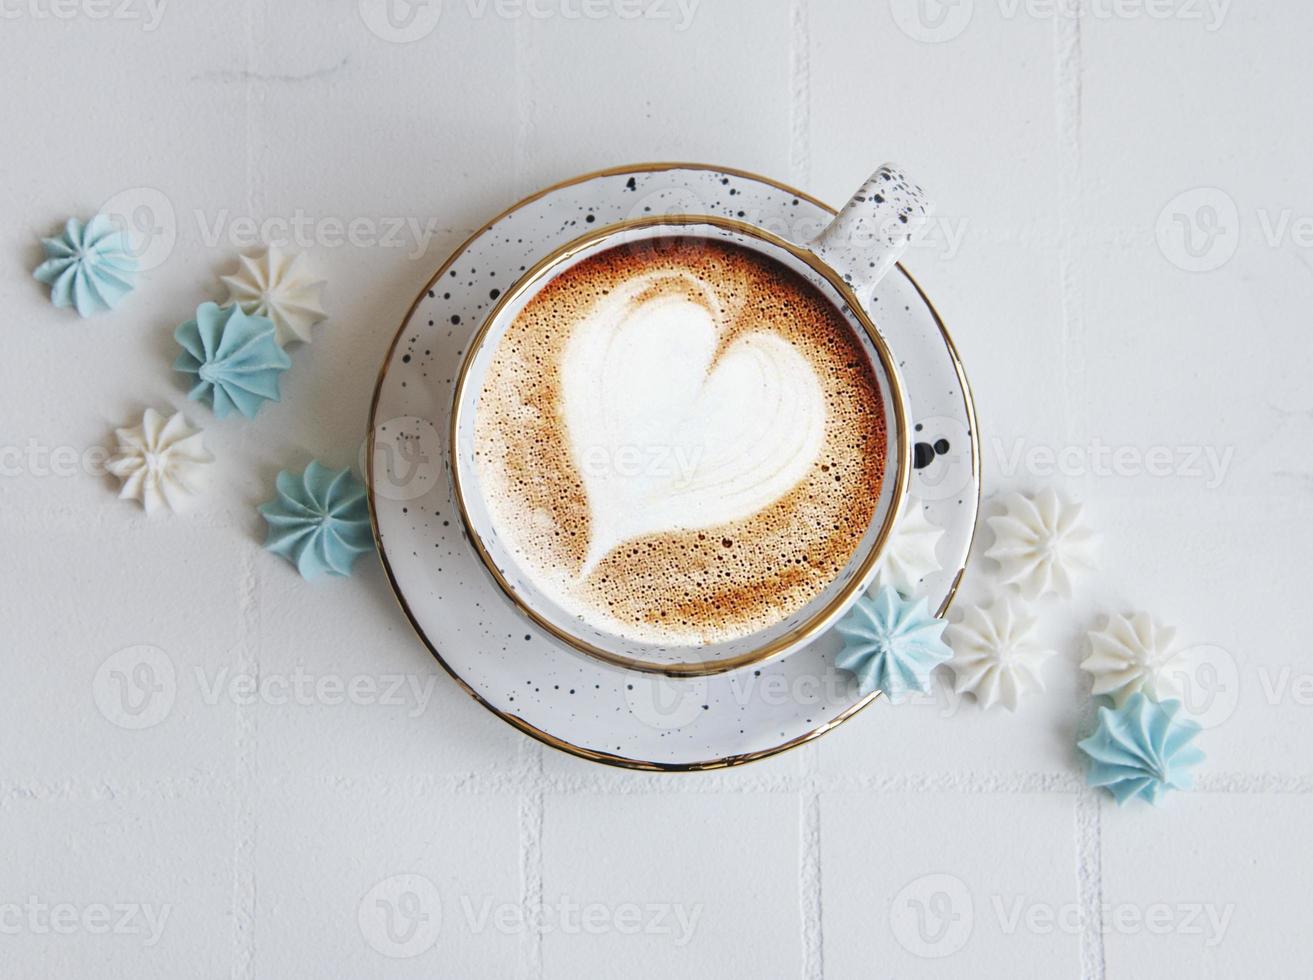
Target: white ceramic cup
{"x":843,"y":263}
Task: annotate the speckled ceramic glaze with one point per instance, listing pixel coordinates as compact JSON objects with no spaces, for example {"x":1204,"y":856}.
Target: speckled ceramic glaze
{"x":538,"y":683}
{"x":802,"y":625}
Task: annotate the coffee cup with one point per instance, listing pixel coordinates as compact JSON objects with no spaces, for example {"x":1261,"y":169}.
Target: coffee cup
{"x":679,"y":443}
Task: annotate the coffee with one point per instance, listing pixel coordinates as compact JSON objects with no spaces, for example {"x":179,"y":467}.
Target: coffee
{"x":680,"y":441}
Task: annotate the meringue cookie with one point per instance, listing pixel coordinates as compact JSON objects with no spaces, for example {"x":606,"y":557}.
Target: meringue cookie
{"x":1134,"y":654}
{"x":1141,"y":750}
{"x":995,"y":655}
{"x":319,"y":521}
{"x":892,"y":644}
{"x":1041,"y":543}
{"x":910,"y":554}
{"x":89,"y":267}
{"x":161,"y":461}
{"x":273,"y":284}
{"x":234,"y":358}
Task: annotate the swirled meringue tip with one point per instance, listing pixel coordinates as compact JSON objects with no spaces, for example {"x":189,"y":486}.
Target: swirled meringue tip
{"x":233,"y":357}
{"x":318,"y":520}
{"x":161,"y":462}
{"x":275,"y":284}
{"x":911,"y":553}
{"x":996,"y":657}
{"x":891,"y":644}
{"x":1141,"y":750}
{"x":1135,"y":654}
{"x":1041,"y":543}
{"x":88,"y":267}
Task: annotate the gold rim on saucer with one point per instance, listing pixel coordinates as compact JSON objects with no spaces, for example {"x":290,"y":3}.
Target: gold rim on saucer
{"x":527,"y":728}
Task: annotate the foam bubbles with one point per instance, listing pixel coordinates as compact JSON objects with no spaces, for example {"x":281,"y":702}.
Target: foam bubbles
{"x":681,"y":444}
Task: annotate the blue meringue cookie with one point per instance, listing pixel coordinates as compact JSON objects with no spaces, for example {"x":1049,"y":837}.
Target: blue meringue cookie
{"x":1142,"y":749}
{"x":89,"y":267}
{"x":892,"y":644}
{"x":234,"y":358}
{"x":319,"y":521}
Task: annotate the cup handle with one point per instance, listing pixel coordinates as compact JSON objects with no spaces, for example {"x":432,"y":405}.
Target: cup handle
{"x":874,"y":228}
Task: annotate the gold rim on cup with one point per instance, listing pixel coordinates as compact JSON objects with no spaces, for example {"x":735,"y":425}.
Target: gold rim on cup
{"x":823,"y":618}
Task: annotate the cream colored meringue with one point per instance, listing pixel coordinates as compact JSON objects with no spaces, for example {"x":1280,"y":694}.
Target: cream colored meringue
{"x":1135,"y":654}
{"x":1040,"y":543}
{"x":910,"y":554}
{"x":995,"y":655}
{"x":161,"y":461}
{"x":274,"y":285}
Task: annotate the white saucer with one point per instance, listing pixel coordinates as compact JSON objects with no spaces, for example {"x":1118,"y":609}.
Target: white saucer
{"x":544,"y":688}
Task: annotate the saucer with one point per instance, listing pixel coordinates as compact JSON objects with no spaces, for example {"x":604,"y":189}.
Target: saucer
{"x":528,"y":678}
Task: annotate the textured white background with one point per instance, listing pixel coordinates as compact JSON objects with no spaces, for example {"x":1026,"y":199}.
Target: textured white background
{"x":1055,"y":146}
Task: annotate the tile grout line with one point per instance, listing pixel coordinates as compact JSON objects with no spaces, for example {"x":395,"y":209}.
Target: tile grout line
{"x":1068,"y":95}
{"x":810,"y":893}
{"x":244,"y":766}
{"x":529,"y":777}
{"x":809,"y":875}
{"x":524,"y":105}
{"x":249,"y":101}
{"x":514,"y":781}
{"x":1069,"y":78}
{"x":245,"y":720}
{"x":1089,"y":883}
{"x":800,"y":92}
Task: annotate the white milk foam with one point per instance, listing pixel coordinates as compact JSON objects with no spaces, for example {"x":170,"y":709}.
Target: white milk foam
{"x":663,"y":439}
{"x":680,"y":443}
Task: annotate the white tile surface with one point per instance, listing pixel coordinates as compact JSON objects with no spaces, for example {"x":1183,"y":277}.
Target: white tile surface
{"x":1204,"y":888}
{"x":977,"y":129}
{"x":693,"y":863}
{"x":137,"y":883}
{"x":406,"y":899}
{"x":350,"y":682}
{"x":1057,"y":149}
{"x":981,"y":899}
{"x":104,"y":692}
{"x":577,"y":116}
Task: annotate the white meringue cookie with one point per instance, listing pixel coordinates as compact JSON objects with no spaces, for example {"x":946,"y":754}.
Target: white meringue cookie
{"x":1040,"y":543}
{"x":995,"y":655}
{"x":910,"y":554}
{"x":1134,"y":653}
{"x":161,"y":461}
{"x":274,"y":285}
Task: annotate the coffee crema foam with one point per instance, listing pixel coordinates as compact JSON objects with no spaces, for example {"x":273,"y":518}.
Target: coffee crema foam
{"x":680,"y":442}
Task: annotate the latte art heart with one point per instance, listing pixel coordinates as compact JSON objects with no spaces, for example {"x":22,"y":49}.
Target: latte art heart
{"x":666,"y":433}
{"x":679,"y":443}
